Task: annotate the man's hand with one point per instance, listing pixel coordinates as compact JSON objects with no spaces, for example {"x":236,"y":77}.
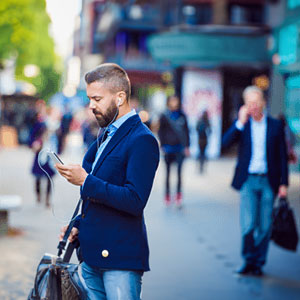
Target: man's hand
{"x":243,"y":114}
{"x":282,"y":193}
{"x":75,"y":174}
{"x":73,"y":235}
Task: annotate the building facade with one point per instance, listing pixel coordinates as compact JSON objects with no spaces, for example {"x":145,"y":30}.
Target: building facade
{"x":117,"y":31}
{"x":216,"y":49}
{"x":207,"y":51}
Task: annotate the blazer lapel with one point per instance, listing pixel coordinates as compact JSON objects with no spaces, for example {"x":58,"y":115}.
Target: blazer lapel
{"x":248,"y":133}
{"x":115,"y":140}
{"x":90,"y":155}
{"x":268,"y":137}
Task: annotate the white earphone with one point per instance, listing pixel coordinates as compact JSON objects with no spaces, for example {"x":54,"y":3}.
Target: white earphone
{"x":119,"y":102}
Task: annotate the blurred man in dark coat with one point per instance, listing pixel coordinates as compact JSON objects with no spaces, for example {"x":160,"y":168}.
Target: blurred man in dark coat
{"x":261,"y":173}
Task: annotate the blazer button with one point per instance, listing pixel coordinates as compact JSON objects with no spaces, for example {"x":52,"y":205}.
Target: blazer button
{"x":83,"y":216}
{"x":105,"y":253}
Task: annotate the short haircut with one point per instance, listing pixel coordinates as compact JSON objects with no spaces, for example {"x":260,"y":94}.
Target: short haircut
{"x":253,"y":89}
{"x":114,"y":77}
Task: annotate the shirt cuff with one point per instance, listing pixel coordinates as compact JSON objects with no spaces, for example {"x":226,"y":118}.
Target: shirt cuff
{"x":239,"y":125}
{"x":84,"y":182}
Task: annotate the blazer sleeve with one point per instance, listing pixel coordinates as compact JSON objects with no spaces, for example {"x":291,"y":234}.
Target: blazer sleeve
{"x":283,"y":157}
{"x":231,"y":135}
{"x":143,"y":159}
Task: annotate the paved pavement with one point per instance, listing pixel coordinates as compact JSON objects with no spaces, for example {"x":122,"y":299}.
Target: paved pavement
{"x":193,"y":251}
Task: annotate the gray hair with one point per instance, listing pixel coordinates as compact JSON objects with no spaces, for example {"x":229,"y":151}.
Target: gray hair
{"x":252,"y":89}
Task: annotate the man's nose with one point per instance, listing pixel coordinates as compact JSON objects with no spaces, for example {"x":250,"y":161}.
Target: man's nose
{"x":92,"y":105}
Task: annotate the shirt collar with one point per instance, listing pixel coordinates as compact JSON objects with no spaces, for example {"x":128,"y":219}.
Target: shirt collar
{"x":117,"y":124}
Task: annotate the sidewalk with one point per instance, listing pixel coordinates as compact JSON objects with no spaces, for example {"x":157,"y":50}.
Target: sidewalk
{"x":197,"y":249}
{"x":193,"y":251}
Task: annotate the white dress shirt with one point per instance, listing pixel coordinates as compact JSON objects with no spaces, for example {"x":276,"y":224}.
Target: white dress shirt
{"x":258,"y":161}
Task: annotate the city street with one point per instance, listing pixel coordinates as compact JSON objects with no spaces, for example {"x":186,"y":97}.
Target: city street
{"x":194,"y":251}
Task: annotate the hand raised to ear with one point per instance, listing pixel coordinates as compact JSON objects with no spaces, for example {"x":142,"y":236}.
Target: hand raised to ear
{"x":243,"y":114}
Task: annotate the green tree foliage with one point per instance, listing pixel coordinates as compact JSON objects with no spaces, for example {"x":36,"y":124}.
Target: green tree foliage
{"x":24,"y":34}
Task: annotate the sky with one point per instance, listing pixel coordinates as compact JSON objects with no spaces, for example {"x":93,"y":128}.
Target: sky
{"x":63,"y":14}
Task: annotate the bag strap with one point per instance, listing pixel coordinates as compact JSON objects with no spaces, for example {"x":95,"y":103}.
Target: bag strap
{"x":63,"y":242}
{"x":69,"y":251}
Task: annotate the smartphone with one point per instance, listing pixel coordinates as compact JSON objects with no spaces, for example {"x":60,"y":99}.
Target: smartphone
{"x":55,"y":157}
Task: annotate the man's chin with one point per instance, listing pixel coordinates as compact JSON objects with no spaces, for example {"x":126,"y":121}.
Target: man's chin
{"x":101,"y":122}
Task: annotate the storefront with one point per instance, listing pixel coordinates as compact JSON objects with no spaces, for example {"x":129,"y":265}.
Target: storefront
{"x":288,"y":66}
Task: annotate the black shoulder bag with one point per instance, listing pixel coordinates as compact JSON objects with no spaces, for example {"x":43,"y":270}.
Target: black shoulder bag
{"x":284,"y":229}
{"x":56,"y":278}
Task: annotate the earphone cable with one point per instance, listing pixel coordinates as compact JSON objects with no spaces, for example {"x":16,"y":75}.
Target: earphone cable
{"x":47,"y":150}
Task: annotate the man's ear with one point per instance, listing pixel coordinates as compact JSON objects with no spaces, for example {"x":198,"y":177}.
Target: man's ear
{"x":121,"y":97}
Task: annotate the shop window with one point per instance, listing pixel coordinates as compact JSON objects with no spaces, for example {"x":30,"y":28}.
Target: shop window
{"x":246,"y":14}
{"x":293,"y":4}
{"x":197,"y":14}
{"x":292,"y":105}
{"x":131,"y":44}
{"x":288,"y":44}
{"x":146,"y":12}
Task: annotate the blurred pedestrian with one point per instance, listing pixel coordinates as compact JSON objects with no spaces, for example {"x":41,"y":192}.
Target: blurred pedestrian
{"x":143,"y":113}
{"x":290,"y":139}
{"x":135,"y":103}
{"x":41,"y":163}
{"x":52,"y":120}
{"x":261,"y":173}
{"x":90,"y":129}
{"x":174,"y":138}
{"x":64,"y":129}
{"x":115,"y":183}
{"x":203,"y":131}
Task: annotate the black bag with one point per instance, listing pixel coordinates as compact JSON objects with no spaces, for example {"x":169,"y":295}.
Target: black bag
{"x":56,"y":278}
{"x":284,"y":231}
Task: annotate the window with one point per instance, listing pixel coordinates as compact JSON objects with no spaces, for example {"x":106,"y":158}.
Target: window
{"x":131,"y":43}
{"x":288,"y":44}
{"x":246,"y":14}
{"x":293,"y":4}
{"x":197,"y":14}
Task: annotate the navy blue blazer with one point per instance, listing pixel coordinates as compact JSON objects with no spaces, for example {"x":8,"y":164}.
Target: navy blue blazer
{"x":114,"y":197}
{"x":276,"y":153}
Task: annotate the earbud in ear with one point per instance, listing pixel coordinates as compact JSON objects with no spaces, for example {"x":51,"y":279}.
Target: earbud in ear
{"x":119,"y":101}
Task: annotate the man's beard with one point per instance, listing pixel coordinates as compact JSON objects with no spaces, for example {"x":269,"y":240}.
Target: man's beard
{"x":105,"y":119}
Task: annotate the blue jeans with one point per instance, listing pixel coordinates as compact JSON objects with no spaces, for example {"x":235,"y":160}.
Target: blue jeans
{"x":112,"y":284}
{"x":257,"y":198}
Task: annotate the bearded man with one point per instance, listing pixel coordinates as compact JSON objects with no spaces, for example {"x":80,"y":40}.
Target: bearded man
{"x":115,"y":182}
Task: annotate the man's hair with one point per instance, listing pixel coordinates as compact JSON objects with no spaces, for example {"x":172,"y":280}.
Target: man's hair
{"x":114,"y":77}
{"x":253,"y":89}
